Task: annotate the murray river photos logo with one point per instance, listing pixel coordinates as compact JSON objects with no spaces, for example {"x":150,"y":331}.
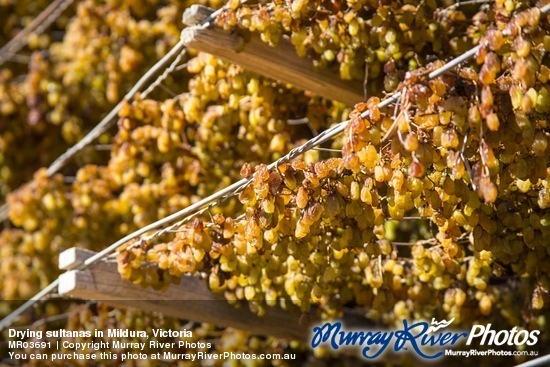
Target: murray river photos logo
{"x":428,"y":341}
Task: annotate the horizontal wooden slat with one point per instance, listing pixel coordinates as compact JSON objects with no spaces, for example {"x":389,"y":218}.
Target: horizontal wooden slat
{"x":190,"y":300}
{"x":279,"y":63}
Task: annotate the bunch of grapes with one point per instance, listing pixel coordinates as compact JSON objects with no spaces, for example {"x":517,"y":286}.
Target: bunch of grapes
{"x":165,"y":155}
{"x":435,"y":206}
{"x":453,"y":153}
{"x":71,"y":82}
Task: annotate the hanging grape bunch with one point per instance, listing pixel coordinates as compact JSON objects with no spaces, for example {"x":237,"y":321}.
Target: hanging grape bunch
{"x":451,"y":155}
{"x":434,"y":206}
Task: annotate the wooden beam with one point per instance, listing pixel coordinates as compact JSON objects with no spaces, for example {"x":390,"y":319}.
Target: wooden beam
{"x":190,"y":300}
{"x":279,"y":63}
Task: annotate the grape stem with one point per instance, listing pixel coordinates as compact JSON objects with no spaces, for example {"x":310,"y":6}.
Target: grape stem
{"x":463,"y":157}
{"x":469,"y":2}
{"x":37,"y":26}
{"x":366,"y":81}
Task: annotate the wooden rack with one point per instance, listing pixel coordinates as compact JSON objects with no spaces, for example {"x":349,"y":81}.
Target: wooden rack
{"x":279,"y":63}
{"x":189,"y":300}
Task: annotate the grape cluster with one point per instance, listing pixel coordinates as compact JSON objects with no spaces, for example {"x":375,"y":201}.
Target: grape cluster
{"x":453,"y":154}
{"x":72,"y":82}
{"x":360,"y":39}
{"x":62,"y":93}
{"x":474,"y":132}
{"x":163,"y":159}
{"x":165,"y":155}
{"x":436,"y":207}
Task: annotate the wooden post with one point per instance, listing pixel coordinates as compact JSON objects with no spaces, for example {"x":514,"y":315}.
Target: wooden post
{"x":73,"y":257}
{"x":195,"y":14}
{"x":279,"y":63}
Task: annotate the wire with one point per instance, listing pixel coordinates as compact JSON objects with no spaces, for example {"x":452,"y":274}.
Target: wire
{"x":98,"y":130}
{"x":4,"y":212}
{"x":38,"y":25}
{"x":194,"y":210}
{"x":164,"y":75}
{"x":108,"y":121}
{"x":541,"y":361}
{"x":231,"y":190}
{"x":8,"y":320}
